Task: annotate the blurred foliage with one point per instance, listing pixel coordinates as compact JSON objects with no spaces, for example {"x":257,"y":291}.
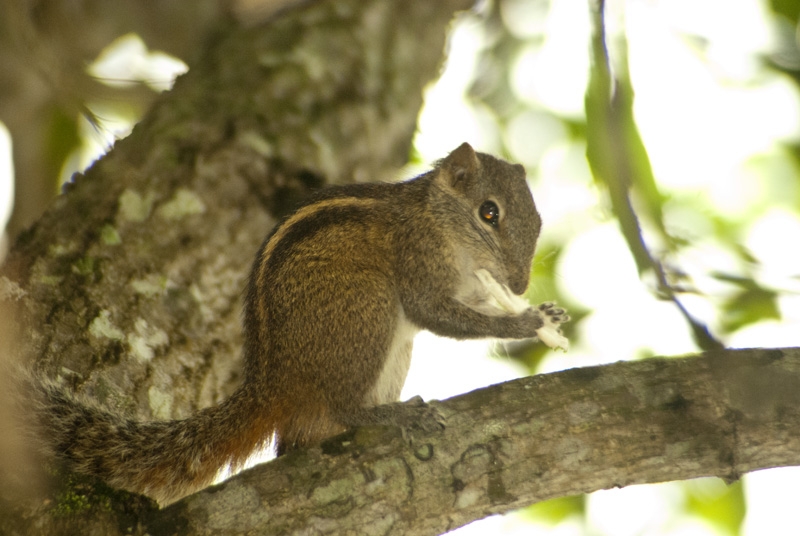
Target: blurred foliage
{"x":722,"y":505}
{"x":619,"y":161}
{"x":749,"y":304}
{"x":614,"y":148}
{"x":629,"y":188}
{"x":62,"y":138}
{"x":790,"y":9}
{"x":555,"y":511}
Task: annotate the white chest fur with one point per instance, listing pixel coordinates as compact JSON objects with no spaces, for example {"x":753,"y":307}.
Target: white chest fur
{"x":395,"y":368}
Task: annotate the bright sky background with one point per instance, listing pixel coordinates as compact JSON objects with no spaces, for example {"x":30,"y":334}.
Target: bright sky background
{"x":697,"y":146}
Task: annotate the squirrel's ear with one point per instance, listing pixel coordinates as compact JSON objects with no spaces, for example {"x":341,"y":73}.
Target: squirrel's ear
{"x":459,"y":164}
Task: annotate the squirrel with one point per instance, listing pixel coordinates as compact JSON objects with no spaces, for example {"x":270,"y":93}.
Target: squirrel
{"x":336,"y":294}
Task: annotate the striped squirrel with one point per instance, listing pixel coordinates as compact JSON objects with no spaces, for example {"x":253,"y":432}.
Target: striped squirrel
{"x":337,"y":292}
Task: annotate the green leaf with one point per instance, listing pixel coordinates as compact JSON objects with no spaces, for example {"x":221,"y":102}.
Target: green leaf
{"x":748,"y":306}
{"x":720,"y":505}
{"x":556,"y":510}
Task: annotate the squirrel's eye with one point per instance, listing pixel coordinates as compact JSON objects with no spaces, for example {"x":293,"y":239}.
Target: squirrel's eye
{"x":489,"y":212}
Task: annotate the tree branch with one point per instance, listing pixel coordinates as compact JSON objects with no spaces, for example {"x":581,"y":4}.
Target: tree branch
{"x":524,"y":441}
{"x":721,"y":414}
{"x":517,"y":443}
{"x":513,"y":444}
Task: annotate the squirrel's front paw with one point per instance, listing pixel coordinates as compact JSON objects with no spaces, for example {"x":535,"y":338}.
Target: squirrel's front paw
{"x":550,"y":334}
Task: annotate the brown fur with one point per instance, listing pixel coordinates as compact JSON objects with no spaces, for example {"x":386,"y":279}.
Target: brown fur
{"x":335,"y":291}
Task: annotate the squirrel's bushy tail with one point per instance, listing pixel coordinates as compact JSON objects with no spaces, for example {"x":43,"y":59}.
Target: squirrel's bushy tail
{"x":165,"y":460}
